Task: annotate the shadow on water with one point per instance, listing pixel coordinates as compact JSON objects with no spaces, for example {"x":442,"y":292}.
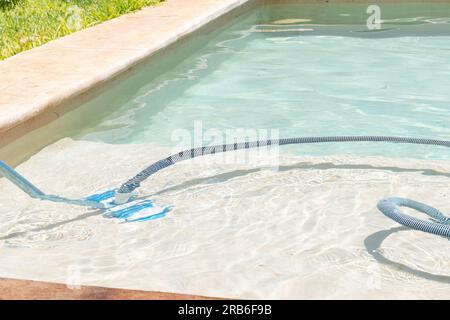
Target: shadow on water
{"x":223,"y":177}
{"x":373,"y":244}
{"x":51,"y":226}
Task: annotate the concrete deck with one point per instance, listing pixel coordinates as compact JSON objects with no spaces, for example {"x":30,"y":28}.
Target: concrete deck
{"x":13,"y":289}
{"x":37,"y":85}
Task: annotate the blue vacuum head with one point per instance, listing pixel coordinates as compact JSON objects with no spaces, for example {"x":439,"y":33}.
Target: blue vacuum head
{"x":132,"y":211}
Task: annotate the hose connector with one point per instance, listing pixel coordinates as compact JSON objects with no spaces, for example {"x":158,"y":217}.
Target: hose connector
{"x":125,"y":197}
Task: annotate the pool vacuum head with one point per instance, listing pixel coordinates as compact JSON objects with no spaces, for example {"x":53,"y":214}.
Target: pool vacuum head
{"x":131,"y":210}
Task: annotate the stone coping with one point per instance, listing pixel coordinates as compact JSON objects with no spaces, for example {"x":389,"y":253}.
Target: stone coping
{"x":35,"y":84}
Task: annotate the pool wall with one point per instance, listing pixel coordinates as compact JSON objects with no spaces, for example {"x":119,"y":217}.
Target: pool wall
{"x":41,"y":85}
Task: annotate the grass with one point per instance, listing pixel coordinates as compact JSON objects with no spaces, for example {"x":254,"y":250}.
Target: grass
{"x":25,"y":24}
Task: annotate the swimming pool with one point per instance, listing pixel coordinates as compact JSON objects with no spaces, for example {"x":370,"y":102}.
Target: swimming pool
{"x":293,"y":70}
{"x":303,"y":78}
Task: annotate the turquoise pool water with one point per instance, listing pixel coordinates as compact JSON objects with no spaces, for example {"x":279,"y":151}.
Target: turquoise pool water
{"x":318,"y":74}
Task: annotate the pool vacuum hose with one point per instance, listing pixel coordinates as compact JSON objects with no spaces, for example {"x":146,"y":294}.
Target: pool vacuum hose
{"x":391,"y":207}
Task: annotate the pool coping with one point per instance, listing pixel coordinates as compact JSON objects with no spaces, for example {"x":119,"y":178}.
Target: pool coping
{"x":16,"y":289}
{"x":31,"y":81}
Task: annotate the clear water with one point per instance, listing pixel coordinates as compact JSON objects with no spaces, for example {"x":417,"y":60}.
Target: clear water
{"x":327,"y":76}
{"x":308,"y":230}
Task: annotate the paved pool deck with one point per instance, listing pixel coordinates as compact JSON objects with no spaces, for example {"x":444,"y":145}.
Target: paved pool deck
{"x":14,"y":289}
{"x":39,"y":85}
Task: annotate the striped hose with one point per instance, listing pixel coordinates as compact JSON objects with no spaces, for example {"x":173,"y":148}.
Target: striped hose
{"x":390,"y":207}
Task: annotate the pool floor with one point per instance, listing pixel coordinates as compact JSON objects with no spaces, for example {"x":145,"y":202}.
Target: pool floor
{"x":310,"y":229}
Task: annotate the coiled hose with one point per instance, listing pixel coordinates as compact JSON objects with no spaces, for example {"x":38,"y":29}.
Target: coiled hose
{"x":390,"y":207}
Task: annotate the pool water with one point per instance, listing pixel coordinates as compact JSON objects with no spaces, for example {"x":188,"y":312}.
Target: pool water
{"x":302,"y":79}
{"x":308,"y":228}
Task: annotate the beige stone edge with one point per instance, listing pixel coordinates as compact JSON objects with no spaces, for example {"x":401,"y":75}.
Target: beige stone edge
{"x":37,"y":89}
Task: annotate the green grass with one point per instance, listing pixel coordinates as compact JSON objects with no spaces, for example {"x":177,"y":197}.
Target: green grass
{"x":25,"y":24}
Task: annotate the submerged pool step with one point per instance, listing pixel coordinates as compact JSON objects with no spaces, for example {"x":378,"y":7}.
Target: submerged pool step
{"x":130,"y":210}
